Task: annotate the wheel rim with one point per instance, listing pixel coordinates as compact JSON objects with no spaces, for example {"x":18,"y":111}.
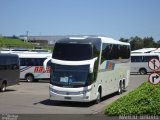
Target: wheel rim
{"x":3,"y":87}
{"x":142,"y":72}
{"x":120,"y":89}
{"x":29,"y":78}
{"x":98,"y":97}
{"x":123,"y":87}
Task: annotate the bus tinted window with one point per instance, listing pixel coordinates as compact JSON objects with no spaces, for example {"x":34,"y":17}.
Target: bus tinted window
{"x":9,"y":63}
{"x":113,"y":51}
{"x":143,"y":58}
{"x":72,"y":52}
{"x":124,"y":51}
{"x":136,"y":58}
{"x":31,"y":61}
{"x":148,"y":58}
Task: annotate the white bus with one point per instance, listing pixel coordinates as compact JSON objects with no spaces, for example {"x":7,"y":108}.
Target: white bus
{"x":156,"y":51}
{"x":87,"y":68}
{"x":139,"y":62}
{"x":31,"y":66}
{"x":143,"y":50}
{"x":14,"y":51}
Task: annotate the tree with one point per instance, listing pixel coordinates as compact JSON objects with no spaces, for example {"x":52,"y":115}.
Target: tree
{"x":148,"y":42}
{"x":157,"y":44}
{"x":124,"y":40}
{"x":136,"y":43}
{"x":139,"y":43}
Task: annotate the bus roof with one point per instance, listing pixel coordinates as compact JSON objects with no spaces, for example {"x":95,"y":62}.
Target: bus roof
{"x":156,"y":51}
{"x":8,"y":55}
{"x":111,"y":40}
{"x":145,"y":54}
{"x":88,"y":39}
{"x":144,"y":50}
{"x":32,"y":55}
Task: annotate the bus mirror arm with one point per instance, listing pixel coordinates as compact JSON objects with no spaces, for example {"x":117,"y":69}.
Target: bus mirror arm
{"x":45,"y":63}
{"x":92,"y":65}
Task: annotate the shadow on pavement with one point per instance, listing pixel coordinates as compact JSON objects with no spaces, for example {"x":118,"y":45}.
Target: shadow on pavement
{"x":65,"y":103}
{"x":73,"y":104}
{"x":39,"y":81}
{"x":8,"y":90}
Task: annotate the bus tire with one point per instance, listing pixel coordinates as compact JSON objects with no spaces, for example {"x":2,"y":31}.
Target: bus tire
{"x":120,"y":88}
{"x":124,"y":86}
{"x":98,"y":100}
{"x":3,"y":86}
{"x":143,"y":71}
{"x":29,"y":78}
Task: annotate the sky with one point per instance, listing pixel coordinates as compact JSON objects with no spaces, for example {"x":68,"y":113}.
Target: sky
{"x":111,"y":18}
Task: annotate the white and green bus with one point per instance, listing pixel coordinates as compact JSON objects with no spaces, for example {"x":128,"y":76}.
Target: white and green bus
{"x":84,"y":69}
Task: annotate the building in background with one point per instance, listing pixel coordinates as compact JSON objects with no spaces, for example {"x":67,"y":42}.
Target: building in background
{"x":46,"y":40}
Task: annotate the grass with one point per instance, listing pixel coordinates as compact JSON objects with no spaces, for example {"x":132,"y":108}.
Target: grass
{"x":10,"y":42}
{"x":145,"y":100}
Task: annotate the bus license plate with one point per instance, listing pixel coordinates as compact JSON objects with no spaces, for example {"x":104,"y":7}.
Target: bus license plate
{"x":67,"y":98}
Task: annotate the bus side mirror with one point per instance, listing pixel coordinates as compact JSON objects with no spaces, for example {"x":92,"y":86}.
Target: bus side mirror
{"x":92,"y":64}
{"x":45,"y":63}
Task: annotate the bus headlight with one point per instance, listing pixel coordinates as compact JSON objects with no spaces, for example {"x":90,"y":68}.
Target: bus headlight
{"x":53,"y":90}
{"x":85,"y":91}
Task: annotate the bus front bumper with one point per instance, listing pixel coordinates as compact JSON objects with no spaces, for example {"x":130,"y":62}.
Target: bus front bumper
{"x":77,"y":96}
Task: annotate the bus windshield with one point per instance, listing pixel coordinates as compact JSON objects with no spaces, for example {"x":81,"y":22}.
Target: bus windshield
{"x":72,"y":52}
{"x":70,"y":76}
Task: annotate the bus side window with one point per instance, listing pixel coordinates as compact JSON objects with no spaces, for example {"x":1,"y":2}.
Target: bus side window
{"x":156,"y":57}
{"x":145,"y":58}
{"x":106,"y":51}
{"x":49,"y":63}
{"x":2,"y":63}
{"x":14,"y":64}
{"x":115,"y":52}
{"x":22,"y":62}
{"x":39,"y":61}
{"x":42,"y":60}
{"x":136,"y":59}
{"x":124,"y":52}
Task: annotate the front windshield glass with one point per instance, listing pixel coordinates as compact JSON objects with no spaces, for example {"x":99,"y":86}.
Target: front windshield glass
{"x":72,"y":52}
{"x":70,"y":76}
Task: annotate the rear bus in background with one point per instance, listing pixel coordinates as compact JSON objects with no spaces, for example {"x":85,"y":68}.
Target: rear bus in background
{"x":31,"y":66}
{"x":9,"y":70}
{"x":139,"y":62}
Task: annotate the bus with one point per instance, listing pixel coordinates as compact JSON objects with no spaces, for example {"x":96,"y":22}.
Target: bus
{"x":139,"y":62}
{"x":86,"y":69}
{"x":9,"y":70}
{"x":143,"y":50}
{"x":31,"y":66}
{"x":24,"y":51}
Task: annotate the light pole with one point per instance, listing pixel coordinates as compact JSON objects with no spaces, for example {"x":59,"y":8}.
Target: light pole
{"x":27,"y":36}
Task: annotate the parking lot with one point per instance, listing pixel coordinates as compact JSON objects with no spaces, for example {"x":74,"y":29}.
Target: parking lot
{"x":33,"y":98}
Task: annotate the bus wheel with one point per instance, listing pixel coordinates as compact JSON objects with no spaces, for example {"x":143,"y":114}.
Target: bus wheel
{"x":3,"y":87}
{"x":30,"y":78}
{"x":123,"y":86}
{"x":143,"y":71}
{"x":98,"y":100}
{"x":120,"y":89}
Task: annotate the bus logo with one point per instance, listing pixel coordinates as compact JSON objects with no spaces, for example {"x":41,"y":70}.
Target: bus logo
{"x":110,"y":65}
{"x":40,"y":69}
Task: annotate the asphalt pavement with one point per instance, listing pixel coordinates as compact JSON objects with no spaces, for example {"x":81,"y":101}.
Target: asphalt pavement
{"x":33,"y":98}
